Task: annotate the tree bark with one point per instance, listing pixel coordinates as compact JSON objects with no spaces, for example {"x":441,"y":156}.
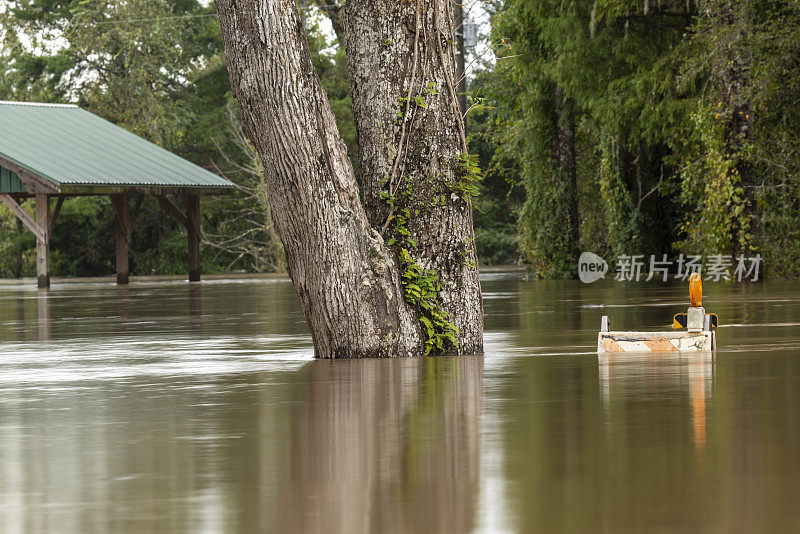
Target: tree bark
{"x":411,"y":143}
{"x":348,"y":283}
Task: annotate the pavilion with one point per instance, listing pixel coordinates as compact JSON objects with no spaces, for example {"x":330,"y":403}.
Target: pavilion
{"x":54,"y":151}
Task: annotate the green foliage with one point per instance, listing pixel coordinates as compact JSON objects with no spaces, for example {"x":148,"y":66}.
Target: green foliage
{"x":717,"y":218}
{"x":87,"y":225}
{"x":17,"y":246}
{"x":496,"y":209}
{"x":682,"y":130}
{"x":468,"y":177}
{"x":739,"y":170}
{"x":154,"y":67}
{"x":682,"y":125}
{"x":420,"y":286}
{"x":421,"y":289}
{"x":618,"y":211}
{"x":596,"y":79}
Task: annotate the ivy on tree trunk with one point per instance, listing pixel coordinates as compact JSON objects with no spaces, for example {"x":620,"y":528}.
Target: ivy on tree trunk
{"x":390,"y":276}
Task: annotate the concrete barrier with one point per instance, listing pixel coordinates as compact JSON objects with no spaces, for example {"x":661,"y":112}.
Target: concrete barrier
{"x":703,"y":341}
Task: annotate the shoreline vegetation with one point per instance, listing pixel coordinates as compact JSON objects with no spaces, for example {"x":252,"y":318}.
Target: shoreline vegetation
{"x":619,"y":127}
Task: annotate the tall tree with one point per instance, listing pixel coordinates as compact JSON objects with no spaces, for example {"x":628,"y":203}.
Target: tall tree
{"x":362,"y":295}
{"x":718,"y":174}
{"x":417,"y":181}
{"x":549,"y":218}
{"x":595,"y":111}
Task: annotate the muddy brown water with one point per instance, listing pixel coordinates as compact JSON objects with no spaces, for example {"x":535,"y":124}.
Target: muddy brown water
{"x":169,"y":407}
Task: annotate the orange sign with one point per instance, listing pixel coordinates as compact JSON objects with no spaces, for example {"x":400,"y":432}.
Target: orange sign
{"x":696,"y":290}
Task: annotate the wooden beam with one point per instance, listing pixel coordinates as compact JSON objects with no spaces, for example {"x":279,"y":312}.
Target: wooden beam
{"x":121,"y":236}
{"x":155,"y":190}
{"x":32,"y":181}
{"x":192,"y":203}
{"x":56,"y":211}
{"x":23,"y":216}
{"x":167,"y":205}
{"x":135,"y":214}
{"x":37,"y":185}
{"x":43,"y":246}
{"x":78,"y":190}
{"x":191,"y":221}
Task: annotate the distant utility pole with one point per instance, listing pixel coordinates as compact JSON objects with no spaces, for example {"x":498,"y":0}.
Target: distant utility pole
{"x":461,"y":88}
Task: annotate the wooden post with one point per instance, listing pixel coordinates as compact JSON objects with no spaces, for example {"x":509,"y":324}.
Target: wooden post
{"x":43,"y":245}
{"x":18,"y":266}
{"x":121,"y":235}
{"x":192,"y":203}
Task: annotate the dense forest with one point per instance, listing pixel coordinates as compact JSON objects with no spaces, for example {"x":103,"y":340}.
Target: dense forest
{"x":614,"y":126}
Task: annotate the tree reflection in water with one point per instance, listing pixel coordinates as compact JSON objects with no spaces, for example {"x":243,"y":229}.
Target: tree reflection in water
{"x":385,"y":445}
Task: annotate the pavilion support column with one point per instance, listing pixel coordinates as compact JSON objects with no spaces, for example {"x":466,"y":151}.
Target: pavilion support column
{"x":192,"y":203}
{"x":121,"y":235}
{"x":43,"y":243}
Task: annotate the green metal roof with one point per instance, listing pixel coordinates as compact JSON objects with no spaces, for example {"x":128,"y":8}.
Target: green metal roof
{"x":71,"y":147}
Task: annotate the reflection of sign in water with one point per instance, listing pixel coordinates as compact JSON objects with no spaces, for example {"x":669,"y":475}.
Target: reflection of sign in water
{"x":627,"y":378}
{"x":700,"y":376}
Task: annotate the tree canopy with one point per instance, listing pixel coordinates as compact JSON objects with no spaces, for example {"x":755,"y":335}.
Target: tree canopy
{"x":684,"y":131}
{"x":615,"y":126}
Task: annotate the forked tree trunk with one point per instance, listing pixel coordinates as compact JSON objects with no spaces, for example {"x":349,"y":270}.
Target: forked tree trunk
{"x":348,"y":284}
{"x":411,"y":142}
{"x":347,"y":279}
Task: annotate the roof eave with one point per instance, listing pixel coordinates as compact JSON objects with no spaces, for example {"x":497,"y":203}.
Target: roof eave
{"x":33,"y":181}
{"x":106,"y":189}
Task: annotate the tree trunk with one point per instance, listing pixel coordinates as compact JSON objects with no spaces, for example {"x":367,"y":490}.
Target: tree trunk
{"x":549,"y":219}
{"x":733,"y":71}
{"x":412,"y":148}
{"x":347,"y":279}
{"x":564,"y":156}
{"x":347,"y":283}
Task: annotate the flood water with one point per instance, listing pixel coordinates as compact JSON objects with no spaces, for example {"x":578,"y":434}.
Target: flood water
{"x":175,"y":407}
